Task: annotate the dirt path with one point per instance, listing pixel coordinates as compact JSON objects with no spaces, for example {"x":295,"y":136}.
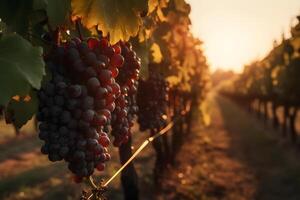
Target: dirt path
{"x":235,"y":158}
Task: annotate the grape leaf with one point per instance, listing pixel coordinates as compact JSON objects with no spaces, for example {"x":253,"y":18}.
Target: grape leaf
{"x":182,"y":6}
{"x":15,"y":14}
{"x":173,"y":80}
{"x":120,"y":18}
{"x":156,"y":55}
{"x":21,"y":67}
{"x":39,"y":4}
{"x":58,"y":11}
{"x":3,"y":28}
{"x":19,"y":112}
{"x":152,"y":4}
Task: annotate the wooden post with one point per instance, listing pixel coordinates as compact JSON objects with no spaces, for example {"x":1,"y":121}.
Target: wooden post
{"x":275,"y":117}
{"x":158,"y":166}
{"x":293,"y":125}
{"x":285,"y":120}
{"x":265,"y":104}
{"x":129,"y":177}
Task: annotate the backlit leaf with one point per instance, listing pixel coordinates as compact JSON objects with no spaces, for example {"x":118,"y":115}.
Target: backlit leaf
{"x":120,"y":18}
{"x":156,"y":55}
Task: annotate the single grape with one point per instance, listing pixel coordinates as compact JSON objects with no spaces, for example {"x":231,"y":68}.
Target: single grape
{"x":88,"y":115}
{"x":74,"y":91}
{"x":93,"y":84}
{"x":105,"y":76}
{"x":117,"y":60}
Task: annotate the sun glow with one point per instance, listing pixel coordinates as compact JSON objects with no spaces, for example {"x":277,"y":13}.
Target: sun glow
{"x":228,"y":48}
{"x":236,"y":32}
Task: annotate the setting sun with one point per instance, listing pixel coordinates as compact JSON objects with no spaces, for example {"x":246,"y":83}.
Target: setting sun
{"x":238,"y":31}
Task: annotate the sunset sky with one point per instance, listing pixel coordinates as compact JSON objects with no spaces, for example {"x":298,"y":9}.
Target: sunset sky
{"x":238,"y":31}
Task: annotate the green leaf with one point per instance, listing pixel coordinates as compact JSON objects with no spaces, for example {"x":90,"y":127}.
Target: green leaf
{"x":120,"y":18}
{"x":21,"y":67}
{"x":2,"y":27}
{"x":15,"y":14}
{"x":58,"y":12}
{"x":40,"y":4}
{"x":38,"y":17}
{"x":19,"y":112}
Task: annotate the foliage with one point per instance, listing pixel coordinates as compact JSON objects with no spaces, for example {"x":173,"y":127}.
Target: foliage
{"x":121,"y":19}
{"x":275,"y":78}
{"x":159,"y":31}
{"x":21,"y":67}
{"x":20,"y":110}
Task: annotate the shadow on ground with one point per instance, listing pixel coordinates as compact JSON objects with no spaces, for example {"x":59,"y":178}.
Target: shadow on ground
{"x":276,"y":167}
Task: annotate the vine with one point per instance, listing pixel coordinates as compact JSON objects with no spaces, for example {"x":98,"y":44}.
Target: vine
{"x":273,"y":80}
{"x":88,"y":68}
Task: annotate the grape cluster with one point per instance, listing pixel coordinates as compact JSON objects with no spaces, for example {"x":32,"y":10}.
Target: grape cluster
{"x":126,"y":108}
{"x":76,"y":103}
{"x":152,"y":100}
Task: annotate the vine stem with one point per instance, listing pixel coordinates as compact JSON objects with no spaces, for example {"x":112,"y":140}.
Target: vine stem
{"x":143,"y":145}
{"x":56,"y":34}
{"x":92,"y":183}
{"x":100,"y":33}
{"x":78,"y":28}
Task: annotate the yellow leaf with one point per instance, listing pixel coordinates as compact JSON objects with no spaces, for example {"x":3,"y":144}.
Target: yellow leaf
{"x":161,"y":15}
{"x":27,"y":98}
{"x":152,"y":4}
{"x":16,"y":98}
{"x":156,"y":53}
{"x":182,"y":6}
{"x":119,"y":18}
{"x":173,"y":80}
{"x":205,"y":114}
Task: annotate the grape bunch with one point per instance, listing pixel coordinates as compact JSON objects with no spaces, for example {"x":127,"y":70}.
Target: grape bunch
{"x":152,"y":100}
{"x":76,"y":103}
{"x":126,"y":108}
